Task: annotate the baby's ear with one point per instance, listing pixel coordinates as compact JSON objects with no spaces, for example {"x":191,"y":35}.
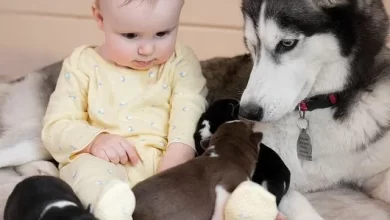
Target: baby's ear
{"x":256,"y":137}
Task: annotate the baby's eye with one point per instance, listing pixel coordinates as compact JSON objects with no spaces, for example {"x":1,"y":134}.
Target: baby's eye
{"x":162,"y":33}
{"x":129,"y":35}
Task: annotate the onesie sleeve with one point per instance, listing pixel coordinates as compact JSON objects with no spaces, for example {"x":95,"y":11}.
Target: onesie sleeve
{"x":66,"y":130}
{"x":188,"y":99}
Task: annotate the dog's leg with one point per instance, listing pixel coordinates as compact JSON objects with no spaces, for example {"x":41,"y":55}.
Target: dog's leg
{"x":379,"y":186}
{"x":296,"y":207}
{"x":222,"y":197}
{"x":23,"y":152}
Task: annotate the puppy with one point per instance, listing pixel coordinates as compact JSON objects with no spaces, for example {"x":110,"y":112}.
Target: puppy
{"x":217,"y":113}
{"x":199,"y":188}
{"x":44,"y":198}
{"x":270,"y":172}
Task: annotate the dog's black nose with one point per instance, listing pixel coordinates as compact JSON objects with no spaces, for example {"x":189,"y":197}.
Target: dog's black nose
{"x":251,"y":112}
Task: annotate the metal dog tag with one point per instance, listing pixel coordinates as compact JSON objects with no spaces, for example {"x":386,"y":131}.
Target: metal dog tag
{"x":304,"y":146}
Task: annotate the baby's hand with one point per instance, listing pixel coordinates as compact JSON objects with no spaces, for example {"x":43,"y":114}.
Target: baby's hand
{"x":113,"y":148}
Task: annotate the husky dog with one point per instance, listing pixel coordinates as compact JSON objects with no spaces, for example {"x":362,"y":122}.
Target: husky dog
{"x":22,"y":106}
{"x":319,"y":90}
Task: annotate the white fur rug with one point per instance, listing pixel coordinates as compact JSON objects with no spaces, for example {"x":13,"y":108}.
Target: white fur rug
{"x":348,"y":204}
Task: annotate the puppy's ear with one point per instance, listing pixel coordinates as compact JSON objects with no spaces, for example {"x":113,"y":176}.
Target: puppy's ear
{"x":256,"y":137}
{"x":205,"y":143}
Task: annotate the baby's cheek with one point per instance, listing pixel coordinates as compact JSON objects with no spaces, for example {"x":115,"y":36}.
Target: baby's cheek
{"x":165,"y":49}
{"x":120,"y":50}
{"x":124,"y":52}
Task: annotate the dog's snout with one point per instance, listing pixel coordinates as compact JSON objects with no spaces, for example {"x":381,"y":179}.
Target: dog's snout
{"x":251,"y":112}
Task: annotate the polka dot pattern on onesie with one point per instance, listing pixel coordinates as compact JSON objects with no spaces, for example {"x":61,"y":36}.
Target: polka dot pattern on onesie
{"x":101,"y":111}
{"x":183,"y":74}
{"x":123,"y":103}
{"x":152,"y":74}
{"x":74,"y":175}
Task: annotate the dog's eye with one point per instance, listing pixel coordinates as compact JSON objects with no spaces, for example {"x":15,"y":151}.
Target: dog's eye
{"x":286,"y":45}
{"x":289,"y":42}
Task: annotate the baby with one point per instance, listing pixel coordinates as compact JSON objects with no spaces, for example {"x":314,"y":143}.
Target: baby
{"x":126,"y":109}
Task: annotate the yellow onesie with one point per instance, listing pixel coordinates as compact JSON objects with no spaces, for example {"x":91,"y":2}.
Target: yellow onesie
{"x":150,"y":108}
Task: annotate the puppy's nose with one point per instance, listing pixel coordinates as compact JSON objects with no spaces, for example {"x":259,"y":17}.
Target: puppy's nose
{"x":251,"y":112}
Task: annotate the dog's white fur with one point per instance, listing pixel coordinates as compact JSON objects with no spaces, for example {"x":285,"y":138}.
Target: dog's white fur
{"x":205,"y":131}
{"x":21,"y":114}
{"x":58,"y":204}
{"x":222,"y":197}
{"x":315,"y":66}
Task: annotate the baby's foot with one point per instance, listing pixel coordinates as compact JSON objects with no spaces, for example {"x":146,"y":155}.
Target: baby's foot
{"x":116,"y":202}
{"x":280,"y":216}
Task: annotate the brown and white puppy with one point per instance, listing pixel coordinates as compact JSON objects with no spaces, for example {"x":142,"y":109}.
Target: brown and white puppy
{"x":199,"y":188}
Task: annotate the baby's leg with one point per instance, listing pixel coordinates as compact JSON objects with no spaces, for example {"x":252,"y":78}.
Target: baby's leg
{"x":102,"y":185}
{"x":252,"y":202}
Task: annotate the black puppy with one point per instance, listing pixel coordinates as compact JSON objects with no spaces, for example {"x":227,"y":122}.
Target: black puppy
{"x":219,"y":112}
{"x":270,"y":172}
{"x":44,"y":198}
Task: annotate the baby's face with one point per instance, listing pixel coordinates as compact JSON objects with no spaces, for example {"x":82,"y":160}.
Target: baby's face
{"x":140,"y":34}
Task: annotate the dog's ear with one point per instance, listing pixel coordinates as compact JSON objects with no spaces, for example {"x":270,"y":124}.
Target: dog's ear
{"x":331,"y":3}
{"x":205,"y":143}
{"x":256,"y":138}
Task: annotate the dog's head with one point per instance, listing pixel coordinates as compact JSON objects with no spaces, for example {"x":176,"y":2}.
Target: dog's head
{"x":217,"y":113}
{"x":235,"y":140}
{"x":302,"y":48}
